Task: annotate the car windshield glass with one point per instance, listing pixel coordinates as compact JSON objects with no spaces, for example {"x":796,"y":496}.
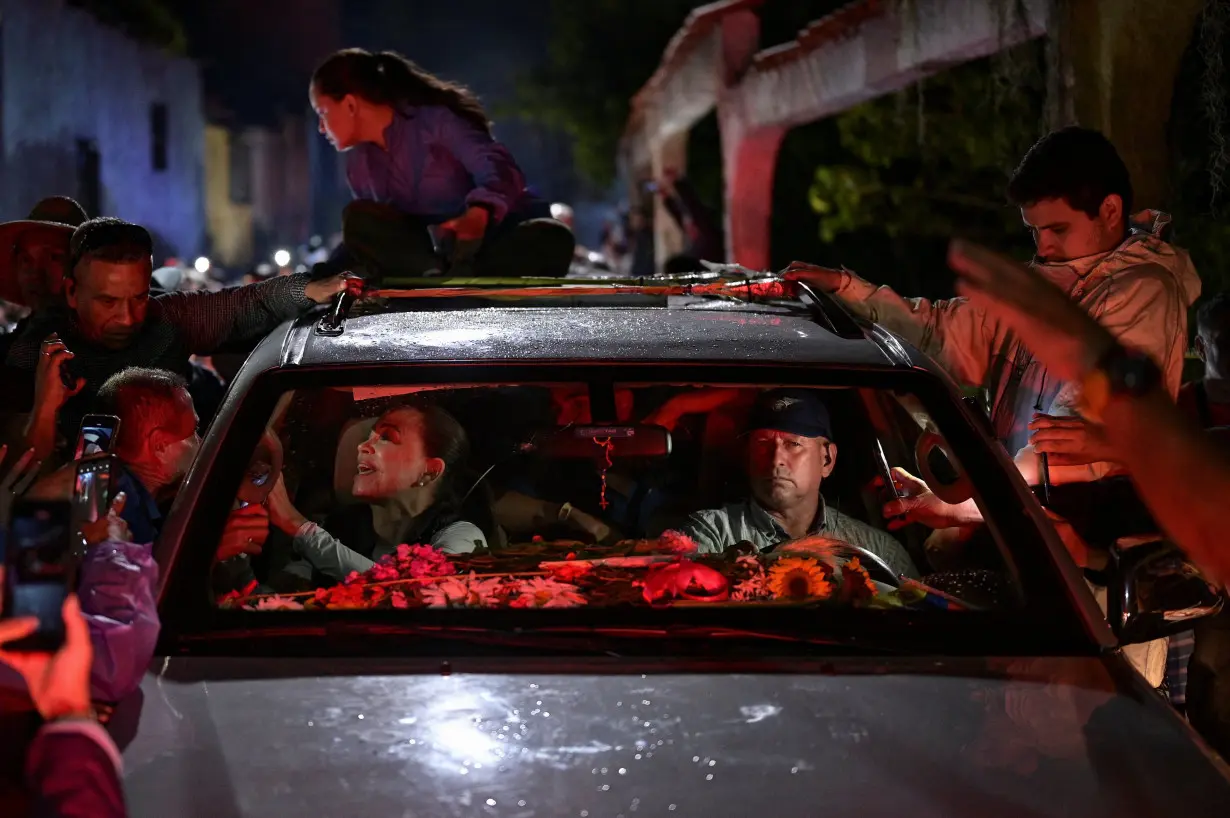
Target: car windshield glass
{"x":565,"y":494}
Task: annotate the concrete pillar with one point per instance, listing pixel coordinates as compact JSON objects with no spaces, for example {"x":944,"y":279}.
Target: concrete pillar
{"x":1120,"y":60}
{"x":749,"y":159}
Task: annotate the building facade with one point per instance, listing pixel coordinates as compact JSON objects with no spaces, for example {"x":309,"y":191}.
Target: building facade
{"x":87,"y":112}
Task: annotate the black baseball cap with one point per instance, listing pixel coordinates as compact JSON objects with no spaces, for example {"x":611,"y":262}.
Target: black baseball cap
{"x":793,"y":411}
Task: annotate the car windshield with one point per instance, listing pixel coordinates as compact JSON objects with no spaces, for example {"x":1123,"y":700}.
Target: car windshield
{"x":597,"y":494}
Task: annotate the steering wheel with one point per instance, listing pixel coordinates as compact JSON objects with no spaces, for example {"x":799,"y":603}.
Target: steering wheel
{"x":831,"y":550}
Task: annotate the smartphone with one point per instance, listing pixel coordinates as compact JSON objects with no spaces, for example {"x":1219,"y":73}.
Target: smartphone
{"x":97,"y":435}
{"x":39,"y":571}
{"x":92,"y":492}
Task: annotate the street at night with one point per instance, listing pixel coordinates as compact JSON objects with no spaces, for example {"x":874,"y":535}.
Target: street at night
{"x":612,"y":409}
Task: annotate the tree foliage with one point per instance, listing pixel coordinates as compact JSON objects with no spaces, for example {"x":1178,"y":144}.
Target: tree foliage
{"x":151,"y":21}
{"x":601,"y":53}
{"x":933,"y":161}
{"x":1198,"y":196}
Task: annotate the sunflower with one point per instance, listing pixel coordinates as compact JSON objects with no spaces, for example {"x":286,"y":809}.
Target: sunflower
{"x":799,"y":578}
{"x":856,"y":584}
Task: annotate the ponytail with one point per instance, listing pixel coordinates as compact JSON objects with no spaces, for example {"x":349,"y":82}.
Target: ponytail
{"x":390,"y":79}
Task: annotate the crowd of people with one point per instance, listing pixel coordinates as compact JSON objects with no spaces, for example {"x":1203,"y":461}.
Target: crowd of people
{"x":1081,"y":352}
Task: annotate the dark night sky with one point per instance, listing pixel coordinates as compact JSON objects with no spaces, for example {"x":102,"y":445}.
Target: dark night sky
{"x":483,"y":44}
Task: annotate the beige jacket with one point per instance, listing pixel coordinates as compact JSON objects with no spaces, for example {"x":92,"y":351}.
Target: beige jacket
{"x":1140,"y":291}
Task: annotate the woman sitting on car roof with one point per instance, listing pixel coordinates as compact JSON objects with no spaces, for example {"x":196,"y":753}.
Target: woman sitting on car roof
{"x":411,"y":481}
{"x":434,"y":190}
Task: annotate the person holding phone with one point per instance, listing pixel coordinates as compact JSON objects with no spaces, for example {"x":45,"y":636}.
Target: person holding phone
{"x":72,"y":766}
{"x":109,"y":321}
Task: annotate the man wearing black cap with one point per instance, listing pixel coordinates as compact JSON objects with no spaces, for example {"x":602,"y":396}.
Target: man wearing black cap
{"x":790,"y":453}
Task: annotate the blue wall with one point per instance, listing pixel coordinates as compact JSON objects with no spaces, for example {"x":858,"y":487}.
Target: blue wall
{"x":65,"y":77}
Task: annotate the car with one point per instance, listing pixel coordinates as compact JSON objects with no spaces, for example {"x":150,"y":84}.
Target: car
{"x":596,"y":630}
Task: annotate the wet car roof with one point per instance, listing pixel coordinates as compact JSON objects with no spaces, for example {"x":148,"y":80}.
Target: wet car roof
{"x":676,"y":333}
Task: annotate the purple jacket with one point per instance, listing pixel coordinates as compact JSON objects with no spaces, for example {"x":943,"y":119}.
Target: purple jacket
{"x":116,"y":587}
{"x":436,"y":166}
{"x":73,"y":771}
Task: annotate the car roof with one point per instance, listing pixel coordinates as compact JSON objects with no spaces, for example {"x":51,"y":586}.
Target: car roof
{"x":675,"y":331}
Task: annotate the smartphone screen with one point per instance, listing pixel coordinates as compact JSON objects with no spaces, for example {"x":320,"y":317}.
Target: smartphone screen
{"x":38,"y":570}
{"x":97,"y":435}
{"x":92,"y":489}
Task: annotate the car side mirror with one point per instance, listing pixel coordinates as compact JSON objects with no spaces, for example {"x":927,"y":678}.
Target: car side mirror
{"x":1155,"y":591}
{"x":939,"y":470}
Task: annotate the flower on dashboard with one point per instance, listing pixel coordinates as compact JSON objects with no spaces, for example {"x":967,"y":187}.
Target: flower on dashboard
{"x":342,"y":596}
{"x":540,"y":592}
{"x":398,"y":600}
{"x":422,"y":561}
{"x":800,"y":578}
{"x":464,"y":592}
{"x":384,"y":571}
{"x":232,"y":599}
{"x":856,"y":584}
{"x":754,"y":587}
{"x":277,"y":603}
{"x":570,"y":571}
{"x":676,"y":542}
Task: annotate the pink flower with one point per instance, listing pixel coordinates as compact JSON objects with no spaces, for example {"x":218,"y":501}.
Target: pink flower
{"x":676,"y":542}
{"x":403,"y":552}
{"x":352,"y":577}
{"x":546,"y":593}
{"x":399,"y":600}
{"x":384,"y":571}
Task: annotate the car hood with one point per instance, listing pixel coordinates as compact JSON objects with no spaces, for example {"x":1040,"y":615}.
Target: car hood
{"x":1036,"y":737}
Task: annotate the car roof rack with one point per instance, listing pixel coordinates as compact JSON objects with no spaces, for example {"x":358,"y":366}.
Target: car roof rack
{"x":728,"y":282}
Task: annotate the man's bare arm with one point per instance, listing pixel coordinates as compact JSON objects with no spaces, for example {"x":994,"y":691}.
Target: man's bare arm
{"x":1183,"y":480}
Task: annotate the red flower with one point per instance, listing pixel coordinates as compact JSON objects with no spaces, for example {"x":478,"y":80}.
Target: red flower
{"x":234,"y":598}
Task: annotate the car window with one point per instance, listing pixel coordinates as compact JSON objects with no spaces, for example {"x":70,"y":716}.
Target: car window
{"x":599,"y":494}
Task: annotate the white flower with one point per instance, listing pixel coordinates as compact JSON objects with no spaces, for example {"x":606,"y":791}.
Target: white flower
{"x":540,"y":592}
{"x":463,"y":592}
